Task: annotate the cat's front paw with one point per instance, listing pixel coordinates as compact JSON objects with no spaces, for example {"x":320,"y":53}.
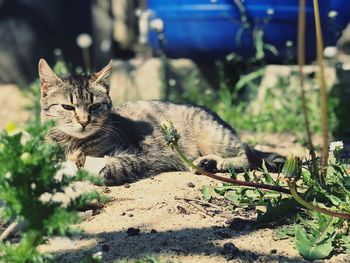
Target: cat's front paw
{"x":113,"y":175}
{"x":207,"y":163}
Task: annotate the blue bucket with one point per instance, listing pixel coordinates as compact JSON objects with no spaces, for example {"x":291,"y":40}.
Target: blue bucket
{"x":212,"y":29}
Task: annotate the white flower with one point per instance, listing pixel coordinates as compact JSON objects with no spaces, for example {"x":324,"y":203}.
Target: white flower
{"x":330,"y":52}
{"x":68,"y":169}
{"x":289,"y":43}
{"x":45,"y":197}
{"x":84,"y":40}
{"x":33,"y":186}
{"x":338,"y":145}
{"x":332,"y":14}
{"x":26,"y":157}
{"x":97,"y":255}
{"x":270,"y":11}
{"x":8,"y":175}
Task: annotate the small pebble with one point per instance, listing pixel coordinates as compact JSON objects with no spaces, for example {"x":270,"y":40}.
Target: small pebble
{"x":153,"y":231}
{"x":106,"y":190}
{"x":123,"y":214}
{"x":273,"y":251}
{"x":182,"y":210}
{"x":130,"y":215}
{"x":86,"y":215}
{"x":126,"y":185}
{"x":190,"y":184}
{"x":133,"y":231}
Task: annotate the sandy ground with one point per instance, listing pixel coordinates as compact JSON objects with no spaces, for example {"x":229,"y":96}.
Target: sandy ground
{"x":160,"y":216}
{"x":12,"y":103}
{"x":170,"y":228}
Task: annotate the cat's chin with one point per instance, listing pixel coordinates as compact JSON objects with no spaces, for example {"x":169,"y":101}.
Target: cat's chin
{"x":80,"y":134}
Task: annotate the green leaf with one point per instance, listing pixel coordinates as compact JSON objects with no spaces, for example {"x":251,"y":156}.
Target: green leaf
{"x":284,"y":232}
{"x":233,"y":197}
{"x":309,"y":246}
{"x":345,"y":243}
{"x":206,"y":192}
{"x":266,"y":174}
{"x":281,"y":208}
{"x":221,"y":190}
{"x":292,"y":167}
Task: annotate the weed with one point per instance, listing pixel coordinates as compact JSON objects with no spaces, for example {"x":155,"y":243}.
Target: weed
{"x":38,"y":189}
{"x":317,"y":233}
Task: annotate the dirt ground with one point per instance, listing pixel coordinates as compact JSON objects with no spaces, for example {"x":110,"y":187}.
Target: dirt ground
{"x":165,"y":216}
{"x":162,"y":217}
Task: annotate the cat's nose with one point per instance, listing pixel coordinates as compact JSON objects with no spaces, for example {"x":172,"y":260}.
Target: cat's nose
{"x":84,"y":123}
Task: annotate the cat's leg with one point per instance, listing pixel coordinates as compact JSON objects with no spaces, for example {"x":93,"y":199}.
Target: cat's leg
{"x":219,"y":145}
{"x":124,"y":168}
{"x":214,"y":163}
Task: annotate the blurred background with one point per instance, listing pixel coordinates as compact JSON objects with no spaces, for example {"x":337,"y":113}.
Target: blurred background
{"x":218,"y":53}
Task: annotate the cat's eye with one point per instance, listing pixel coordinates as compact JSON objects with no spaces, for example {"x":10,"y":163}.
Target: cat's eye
{"x":67,"y":107}
{"x":95,"y":106}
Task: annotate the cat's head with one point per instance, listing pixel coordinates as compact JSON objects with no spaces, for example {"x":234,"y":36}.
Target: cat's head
{"x":79,"y":104}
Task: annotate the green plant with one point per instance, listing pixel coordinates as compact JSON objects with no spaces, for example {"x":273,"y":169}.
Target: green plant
{"x":37,"y":192}
{"x":317,"y":233}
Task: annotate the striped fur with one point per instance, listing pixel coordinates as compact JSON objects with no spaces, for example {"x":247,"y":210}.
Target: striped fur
{"x":130,"y":135}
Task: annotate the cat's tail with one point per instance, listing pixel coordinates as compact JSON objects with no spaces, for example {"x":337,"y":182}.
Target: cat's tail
{"x":273,"y":161}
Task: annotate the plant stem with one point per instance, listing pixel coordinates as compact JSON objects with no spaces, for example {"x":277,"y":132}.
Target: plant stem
{"x":176,"y":148}
{"x":248,"y":78}
{"x":294,"y":192}
{"x":324,"y":99}
{"x":301,"y":62}
{"x":86,"y":59}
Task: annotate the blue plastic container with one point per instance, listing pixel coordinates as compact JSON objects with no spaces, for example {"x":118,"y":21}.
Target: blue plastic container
{"x":212,"y":29}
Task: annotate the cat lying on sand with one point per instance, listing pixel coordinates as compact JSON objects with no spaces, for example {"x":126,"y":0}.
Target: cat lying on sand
{"x":129,"y":136}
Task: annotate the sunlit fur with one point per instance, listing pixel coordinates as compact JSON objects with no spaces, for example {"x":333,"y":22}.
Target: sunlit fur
{"x":129,"y":136}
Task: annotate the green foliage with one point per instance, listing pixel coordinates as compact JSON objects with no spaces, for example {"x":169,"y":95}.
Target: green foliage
{"x":244,"y":105}
{"x":33,"y":192}
{"x":316,"y":235}
{"x":314,"y":238}
{"x":278,"y":206}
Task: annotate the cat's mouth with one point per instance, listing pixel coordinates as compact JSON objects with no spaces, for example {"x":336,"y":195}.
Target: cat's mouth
{"x":79,"y":132}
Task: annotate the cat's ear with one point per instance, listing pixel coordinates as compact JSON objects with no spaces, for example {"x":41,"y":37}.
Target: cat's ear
{"x":47,"y":77}
{"x":104,"y":74}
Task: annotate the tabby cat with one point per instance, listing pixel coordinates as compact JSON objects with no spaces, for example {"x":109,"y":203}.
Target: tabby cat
{"x":129,"y":136}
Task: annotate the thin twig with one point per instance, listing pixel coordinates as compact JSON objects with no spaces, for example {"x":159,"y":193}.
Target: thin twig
{"x":324,"y":95}
{"x":198,"y":201}
{"x":200,"y":208}
{"x":301,"y":62}
{"x":223,"y":213}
